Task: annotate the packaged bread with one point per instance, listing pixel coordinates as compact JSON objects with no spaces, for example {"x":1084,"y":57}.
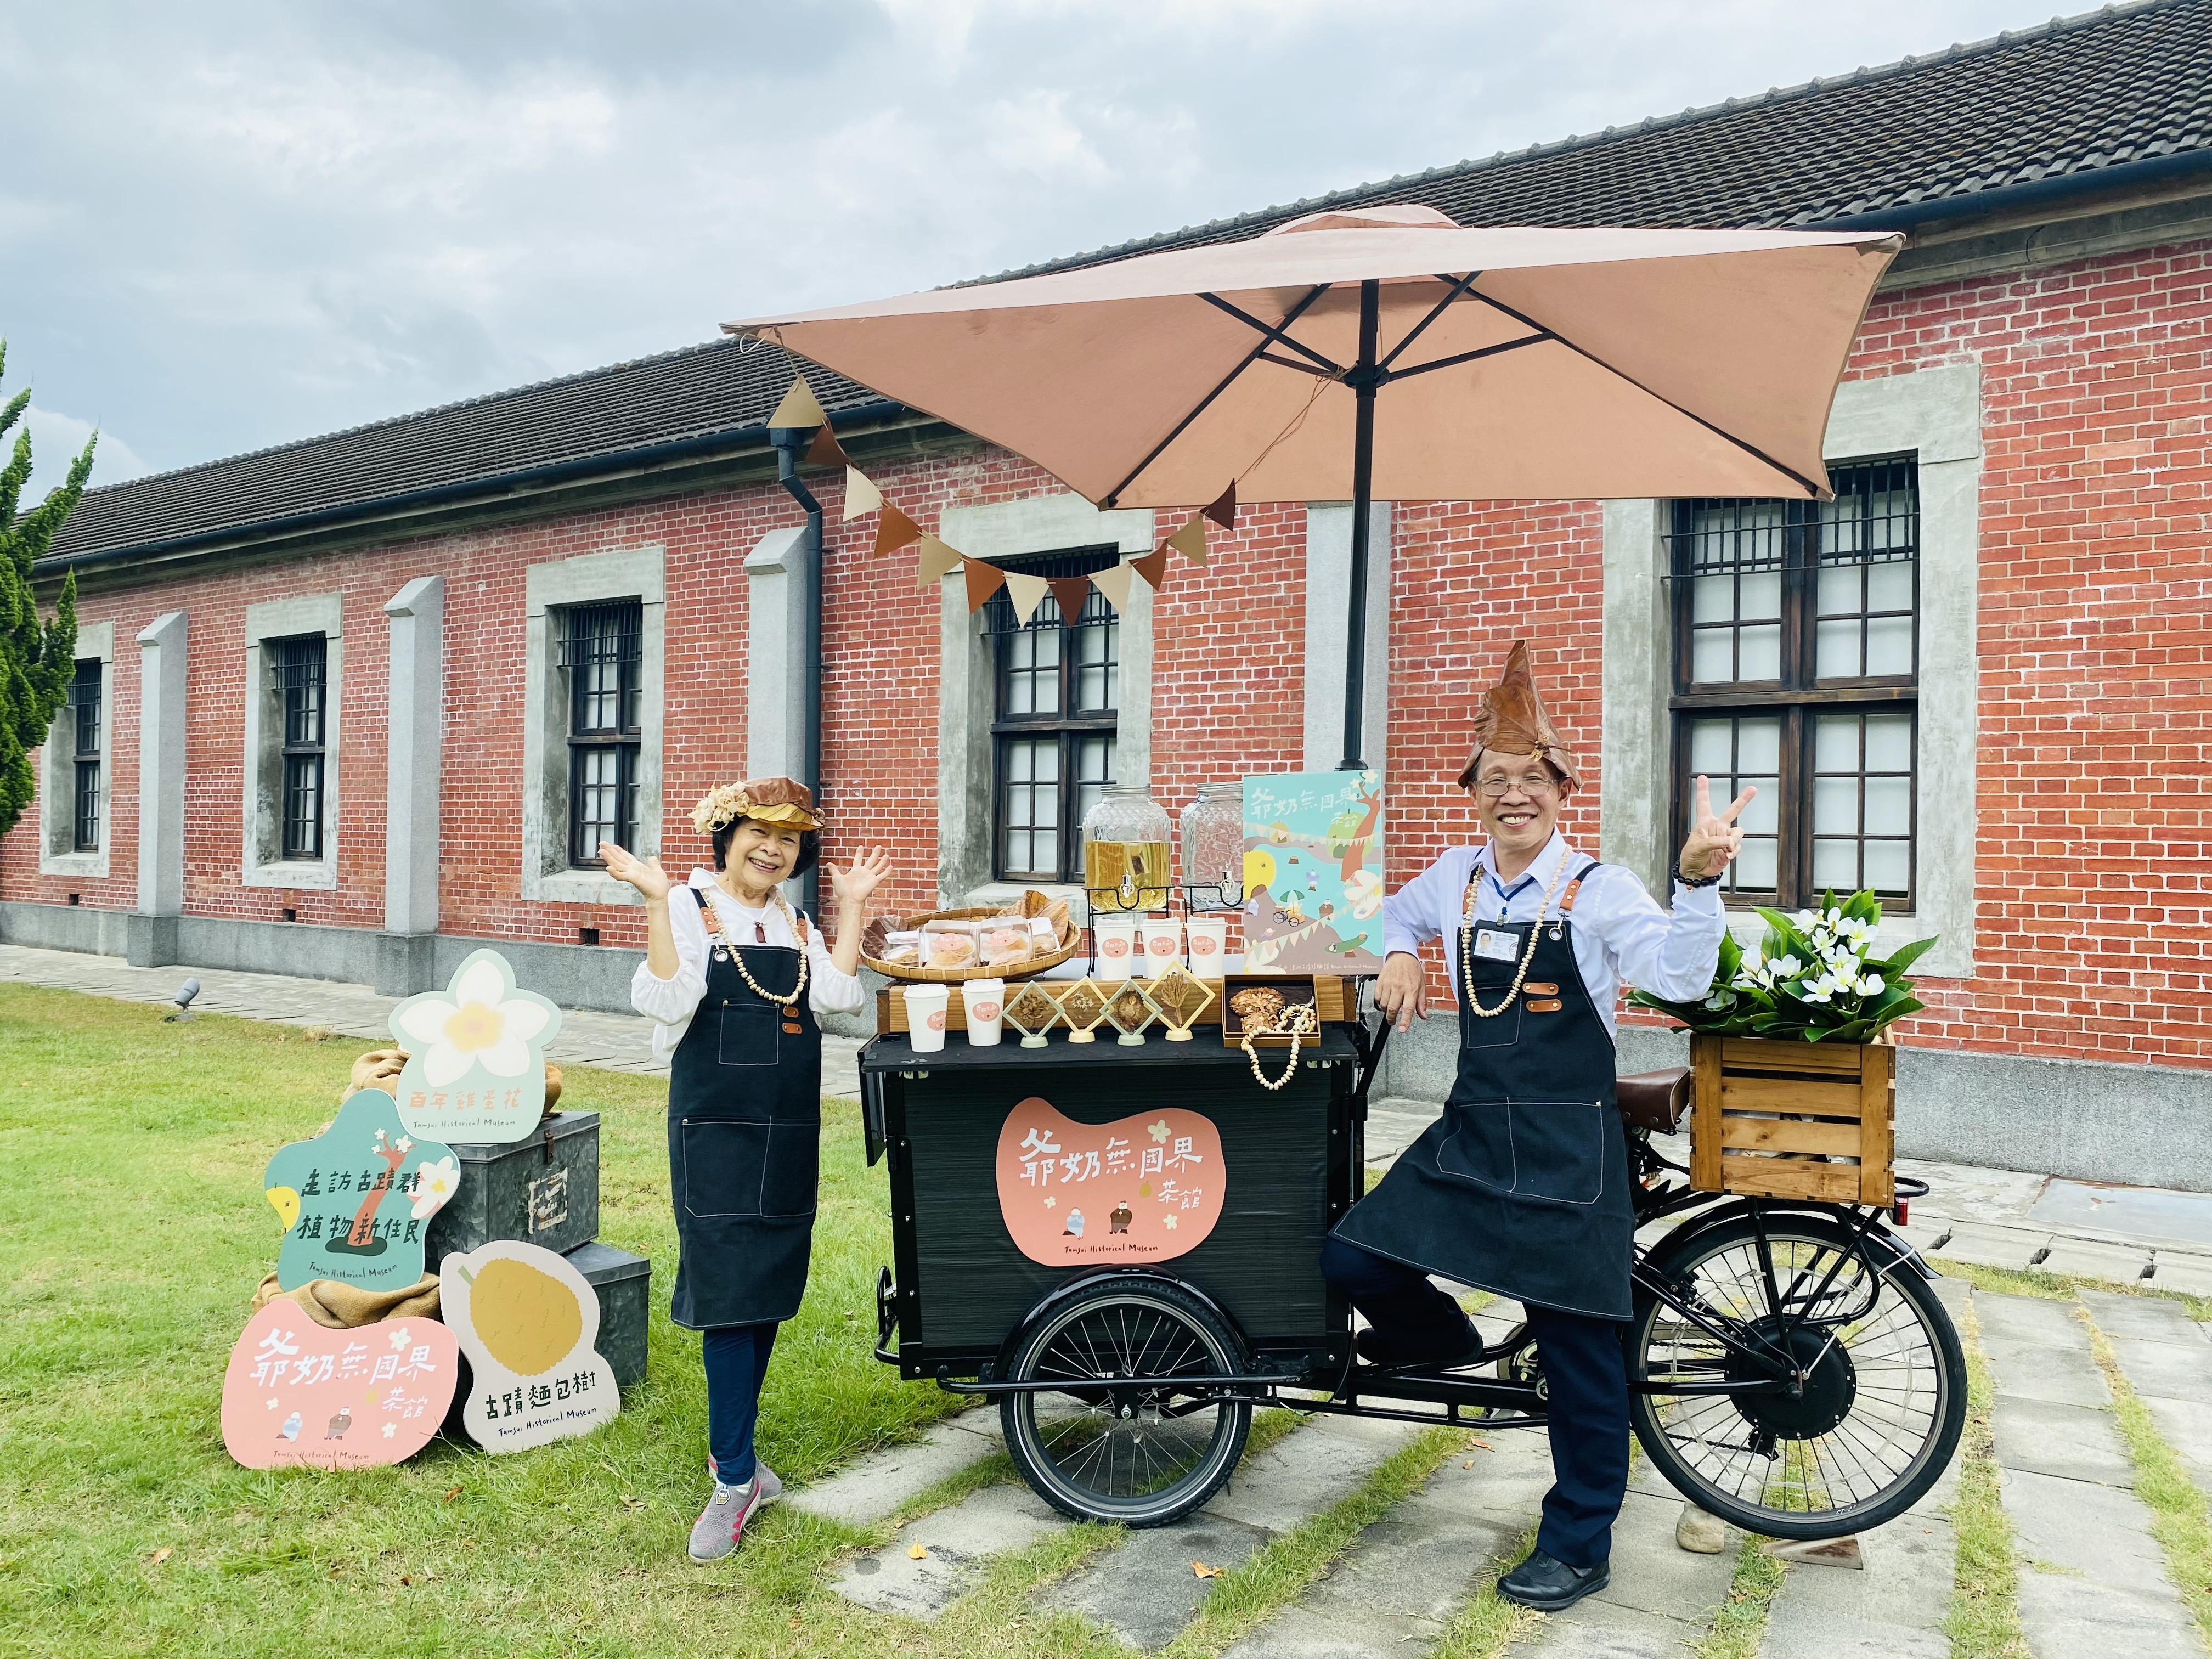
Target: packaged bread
{"x":946,"y":944}
{"x":905,"y":956}
{"x":1003,"y":941}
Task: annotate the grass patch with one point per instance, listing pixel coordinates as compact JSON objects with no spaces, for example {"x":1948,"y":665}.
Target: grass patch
{"x":2060,"y":1287}
{"x":1741,"y":1623}
{"x":1244,"y":1598}
{"x":2178,"y":1516}
{"x":1486,"y":1625}
{"x":1984,"y":1622}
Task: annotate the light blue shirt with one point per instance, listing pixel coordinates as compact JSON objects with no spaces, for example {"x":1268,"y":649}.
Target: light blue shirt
{"x":1621,"y":933}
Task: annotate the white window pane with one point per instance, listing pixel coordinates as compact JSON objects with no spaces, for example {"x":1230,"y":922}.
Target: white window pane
{"x":1835,"y":743}
{"x":1761,"y":597}
{"x":1889,"y":743}
{"x":1020,"y":696}
{"x":1893,"y":519}
{"x":1835,"y":864}
{"x":1888,"y":807}
{"x":1712,"y":598}
{"x":1709,"y":747}
{"x":1754,"y":865}
{"x":1090,"y":691}
{"x":1758,"y":746}
{"x":1711,"y":657}
{"x":1048,"y":760}
{"x":1889,"y":587}
{"x":1888,"y":866}
{"x":1839,"y":589}
{"x":1841,"y":531}
{"x":1761,"y":658}
{"x":1889,"y":644}
{"x":1094,"y":760}
{"x":1835,"y":646}
{"x":1760,"y":814}
{"x":1835,"y":806}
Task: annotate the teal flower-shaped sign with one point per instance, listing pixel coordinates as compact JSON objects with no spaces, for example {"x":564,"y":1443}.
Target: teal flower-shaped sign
{"x":356,"y":1200}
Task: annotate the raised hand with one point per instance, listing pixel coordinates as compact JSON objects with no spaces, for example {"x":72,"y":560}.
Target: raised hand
{"x":644,"y":874}
{"x":1714,"y":838}
{"x":853,"y":886}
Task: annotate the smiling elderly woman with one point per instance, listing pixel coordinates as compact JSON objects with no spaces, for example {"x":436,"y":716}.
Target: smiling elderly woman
{"x":734,"y":978}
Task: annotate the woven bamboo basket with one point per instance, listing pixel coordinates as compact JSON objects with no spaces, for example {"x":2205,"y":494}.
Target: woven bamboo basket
{"x":1071,"y":940}
{"x":1777,"y":1119}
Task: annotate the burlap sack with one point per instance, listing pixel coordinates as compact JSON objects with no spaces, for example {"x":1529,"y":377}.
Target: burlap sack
{"x":342,"y":1307}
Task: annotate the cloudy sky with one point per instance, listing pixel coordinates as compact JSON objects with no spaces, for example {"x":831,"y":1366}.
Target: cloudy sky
{"x":229,"y":225}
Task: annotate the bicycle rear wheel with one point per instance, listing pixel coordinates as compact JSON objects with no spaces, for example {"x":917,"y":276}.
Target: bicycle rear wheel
{"x":1876,"y":1420}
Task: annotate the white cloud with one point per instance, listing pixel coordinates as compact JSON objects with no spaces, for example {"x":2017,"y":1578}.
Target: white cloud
{"x":57,"y":439}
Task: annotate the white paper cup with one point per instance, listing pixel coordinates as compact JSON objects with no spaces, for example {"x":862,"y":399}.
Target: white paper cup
{"x":1117,"y":946}
{"x":1163,"y":940}
{"x":1209,"y":945}
{"x":983,"y":1001}
{"x":925,"y":1016}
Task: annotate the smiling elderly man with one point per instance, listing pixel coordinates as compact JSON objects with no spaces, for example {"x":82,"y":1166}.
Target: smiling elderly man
{"x":1521,"y":1187}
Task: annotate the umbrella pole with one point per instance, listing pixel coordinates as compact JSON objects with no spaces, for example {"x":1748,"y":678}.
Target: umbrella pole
{"x":1362,"y":378}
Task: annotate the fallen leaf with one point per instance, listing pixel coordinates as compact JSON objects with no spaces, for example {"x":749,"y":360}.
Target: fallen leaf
{"x":162,"y":1554}
{"x":405,"y":1579}
{"x":1204,"y":1572}
{"x":915,"y":1553}
{"x":453,"y":1494}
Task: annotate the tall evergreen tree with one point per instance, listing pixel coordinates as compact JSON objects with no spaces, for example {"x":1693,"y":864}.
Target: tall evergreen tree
{"x":36,"y":659}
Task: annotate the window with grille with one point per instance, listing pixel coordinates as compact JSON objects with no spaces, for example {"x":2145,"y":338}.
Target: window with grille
{"x":1796,"y":658}
{"x":84,"y":699}
{"x":602,"y":653}
{"x":298,"y":671}
{"x":1052,"y":736}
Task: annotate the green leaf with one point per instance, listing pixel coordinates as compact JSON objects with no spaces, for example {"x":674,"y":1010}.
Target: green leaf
{"x":1904,"y":955}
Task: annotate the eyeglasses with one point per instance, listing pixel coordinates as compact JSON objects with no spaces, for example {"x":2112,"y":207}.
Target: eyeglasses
{"x":1536,"y":784}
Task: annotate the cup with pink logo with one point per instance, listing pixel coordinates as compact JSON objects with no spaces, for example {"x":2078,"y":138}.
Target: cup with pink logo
{"x":1162,"y":941}
{"x":1116,"y":937}
{"x":983,"y":1002}
{"x":926,"y":1006}
{"x":1209,"y":945}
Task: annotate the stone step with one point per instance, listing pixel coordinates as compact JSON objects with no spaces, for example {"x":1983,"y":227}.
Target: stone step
{"x":957,"y":1543}
{"x":1892,"y":1608}
{"x":2167,"y":1357}
{"x":880,"y":1483}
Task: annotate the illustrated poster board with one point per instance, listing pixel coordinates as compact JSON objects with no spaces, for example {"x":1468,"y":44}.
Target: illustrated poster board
{"x":476,"y":1055}
{"x":1144,"y":1189}
{"x":356,"y":1200}
{"x":296,"y":1392}
{"x":1313,"y":874}
{"x":530,"y":1324}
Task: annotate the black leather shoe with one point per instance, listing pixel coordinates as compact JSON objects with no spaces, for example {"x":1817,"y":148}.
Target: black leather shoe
{"x":1375,"y":1352}
{"x":1547,"y":1584}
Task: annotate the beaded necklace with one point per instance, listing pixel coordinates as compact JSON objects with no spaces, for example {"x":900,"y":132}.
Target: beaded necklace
{"x":1466,"y":919}
{"x":1295,"y":1023}
{"x":714,"y":918}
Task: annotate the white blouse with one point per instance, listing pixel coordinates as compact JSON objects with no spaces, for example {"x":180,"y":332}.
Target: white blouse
{"x":669,"y":1002}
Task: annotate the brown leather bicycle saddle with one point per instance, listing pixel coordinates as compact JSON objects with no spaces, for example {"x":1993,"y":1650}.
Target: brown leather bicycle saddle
{"x":1656,"y":1101}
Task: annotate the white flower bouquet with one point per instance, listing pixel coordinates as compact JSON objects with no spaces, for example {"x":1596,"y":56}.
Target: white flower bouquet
{"x":1813,"y":976}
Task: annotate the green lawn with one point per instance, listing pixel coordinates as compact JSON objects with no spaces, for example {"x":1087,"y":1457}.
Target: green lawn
{"x":132,"y":1233}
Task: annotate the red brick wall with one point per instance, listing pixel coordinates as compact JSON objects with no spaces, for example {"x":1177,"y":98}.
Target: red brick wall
{"x":2093,"y":596}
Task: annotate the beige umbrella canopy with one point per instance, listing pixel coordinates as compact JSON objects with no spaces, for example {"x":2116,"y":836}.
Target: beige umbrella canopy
{"x":1386,"y":354}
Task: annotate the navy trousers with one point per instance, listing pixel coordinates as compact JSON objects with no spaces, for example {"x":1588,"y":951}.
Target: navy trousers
{"x":1585,"y":1376}
{"x":736,"y":1364}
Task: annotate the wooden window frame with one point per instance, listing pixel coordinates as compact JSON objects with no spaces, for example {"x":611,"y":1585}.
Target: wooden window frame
{"x":88,"y":690}
{"x":300,"y":670}
{"x":583,"y":644}
{"x":1798,"y":695}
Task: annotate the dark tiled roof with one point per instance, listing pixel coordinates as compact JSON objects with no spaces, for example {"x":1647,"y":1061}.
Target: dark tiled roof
{"x":2092,"y":97}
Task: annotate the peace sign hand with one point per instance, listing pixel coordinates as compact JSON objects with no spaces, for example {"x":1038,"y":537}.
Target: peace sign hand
{"x":1714,"y":838}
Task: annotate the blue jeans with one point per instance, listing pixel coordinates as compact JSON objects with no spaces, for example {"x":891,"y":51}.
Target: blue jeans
{"x":736,"y":1357}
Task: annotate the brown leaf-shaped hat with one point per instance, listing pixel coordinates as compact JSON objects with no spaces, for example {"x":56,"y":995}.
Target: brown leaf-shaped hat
{"x":772,"y":800}
{"x":1512,"y":722}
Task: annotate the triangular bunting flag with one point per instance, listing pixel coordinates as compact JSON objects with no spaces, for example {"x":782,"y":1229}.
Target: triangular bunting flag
{"x":983,"y":581}
{"x":938,"y":561}
{"x":1069,"y":593}
{"x":1024,"y":594}
{"x":1222,"y":512}
{"x":1113,"y":583}
{"x":861,"y":494}
{"x":825,"y":450}
{"x":800,"y":406}
{"x":1153,"y":567}
{"x":894,"y":530}
{"x":1190,"y":540}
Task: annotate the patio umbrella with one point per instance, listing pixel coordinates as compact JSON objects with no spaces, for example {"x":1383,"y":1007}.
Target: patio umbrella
{"x":1386,"y":354}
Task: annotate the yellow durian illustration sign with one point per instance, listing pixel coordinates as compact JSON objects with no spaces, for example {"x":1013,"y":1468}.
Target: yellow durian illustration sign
{"x":529,"y":1323}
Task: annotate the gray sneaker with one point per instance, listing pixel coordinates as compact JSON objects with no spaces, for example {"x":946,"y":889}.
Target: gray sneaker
{"x":722,"y":1522}
{"x":771,"y":1484}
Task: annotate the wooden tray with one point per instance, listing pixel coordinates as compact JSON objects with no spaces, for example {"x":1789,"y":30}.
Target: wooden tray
{"x":890,"y":1008}
{"x":1776,"y":1119}
{"x":1071,"y":941}
{"x":1328,"y":1002}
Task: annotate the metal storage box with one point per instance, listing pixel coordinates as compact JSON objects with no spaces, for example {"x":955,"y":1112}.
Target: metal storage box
{"x":543,"y":1190}
{"x":625,"y":1283}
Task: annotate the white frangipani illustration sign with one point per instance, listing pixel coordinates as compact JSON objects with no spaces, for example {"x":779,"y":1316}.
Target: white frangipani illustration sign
{"x":529,"y":1325}
{"x":476,"y":1055}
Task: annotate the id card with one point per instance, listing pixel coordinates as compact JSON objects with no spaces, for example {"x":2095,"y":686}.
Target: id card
{"x":1496,"y":947}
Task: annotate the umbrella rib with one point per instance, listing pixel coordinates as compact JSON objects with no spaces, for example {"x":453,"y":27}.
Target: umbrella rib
{"x":1469,"y":356}
{"x":1817,"y":490}
{"x":1275,"y":335}
{"x":1458,"y":286}
{"x":1292,"y":363}
{"x":1269,"y":337}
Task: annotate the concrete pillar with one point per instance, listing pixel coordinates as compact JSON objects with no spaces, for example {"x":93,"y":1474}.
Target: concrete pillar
{"x":413,"y":720}
{"x":1328,"y":620}
{"x":150,"y":938}
{"x":775,"y":624}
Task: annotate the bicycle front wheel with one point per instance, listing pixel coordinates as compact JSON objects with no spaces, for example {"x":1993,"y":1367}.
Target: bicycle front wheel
{"x":1876,"y":1418}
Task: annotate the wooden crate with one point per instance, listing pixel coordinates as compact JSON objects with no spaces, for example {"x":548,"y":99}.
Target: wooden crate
{"x":1776,"y":1119}
{"x":890,"y":1004}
